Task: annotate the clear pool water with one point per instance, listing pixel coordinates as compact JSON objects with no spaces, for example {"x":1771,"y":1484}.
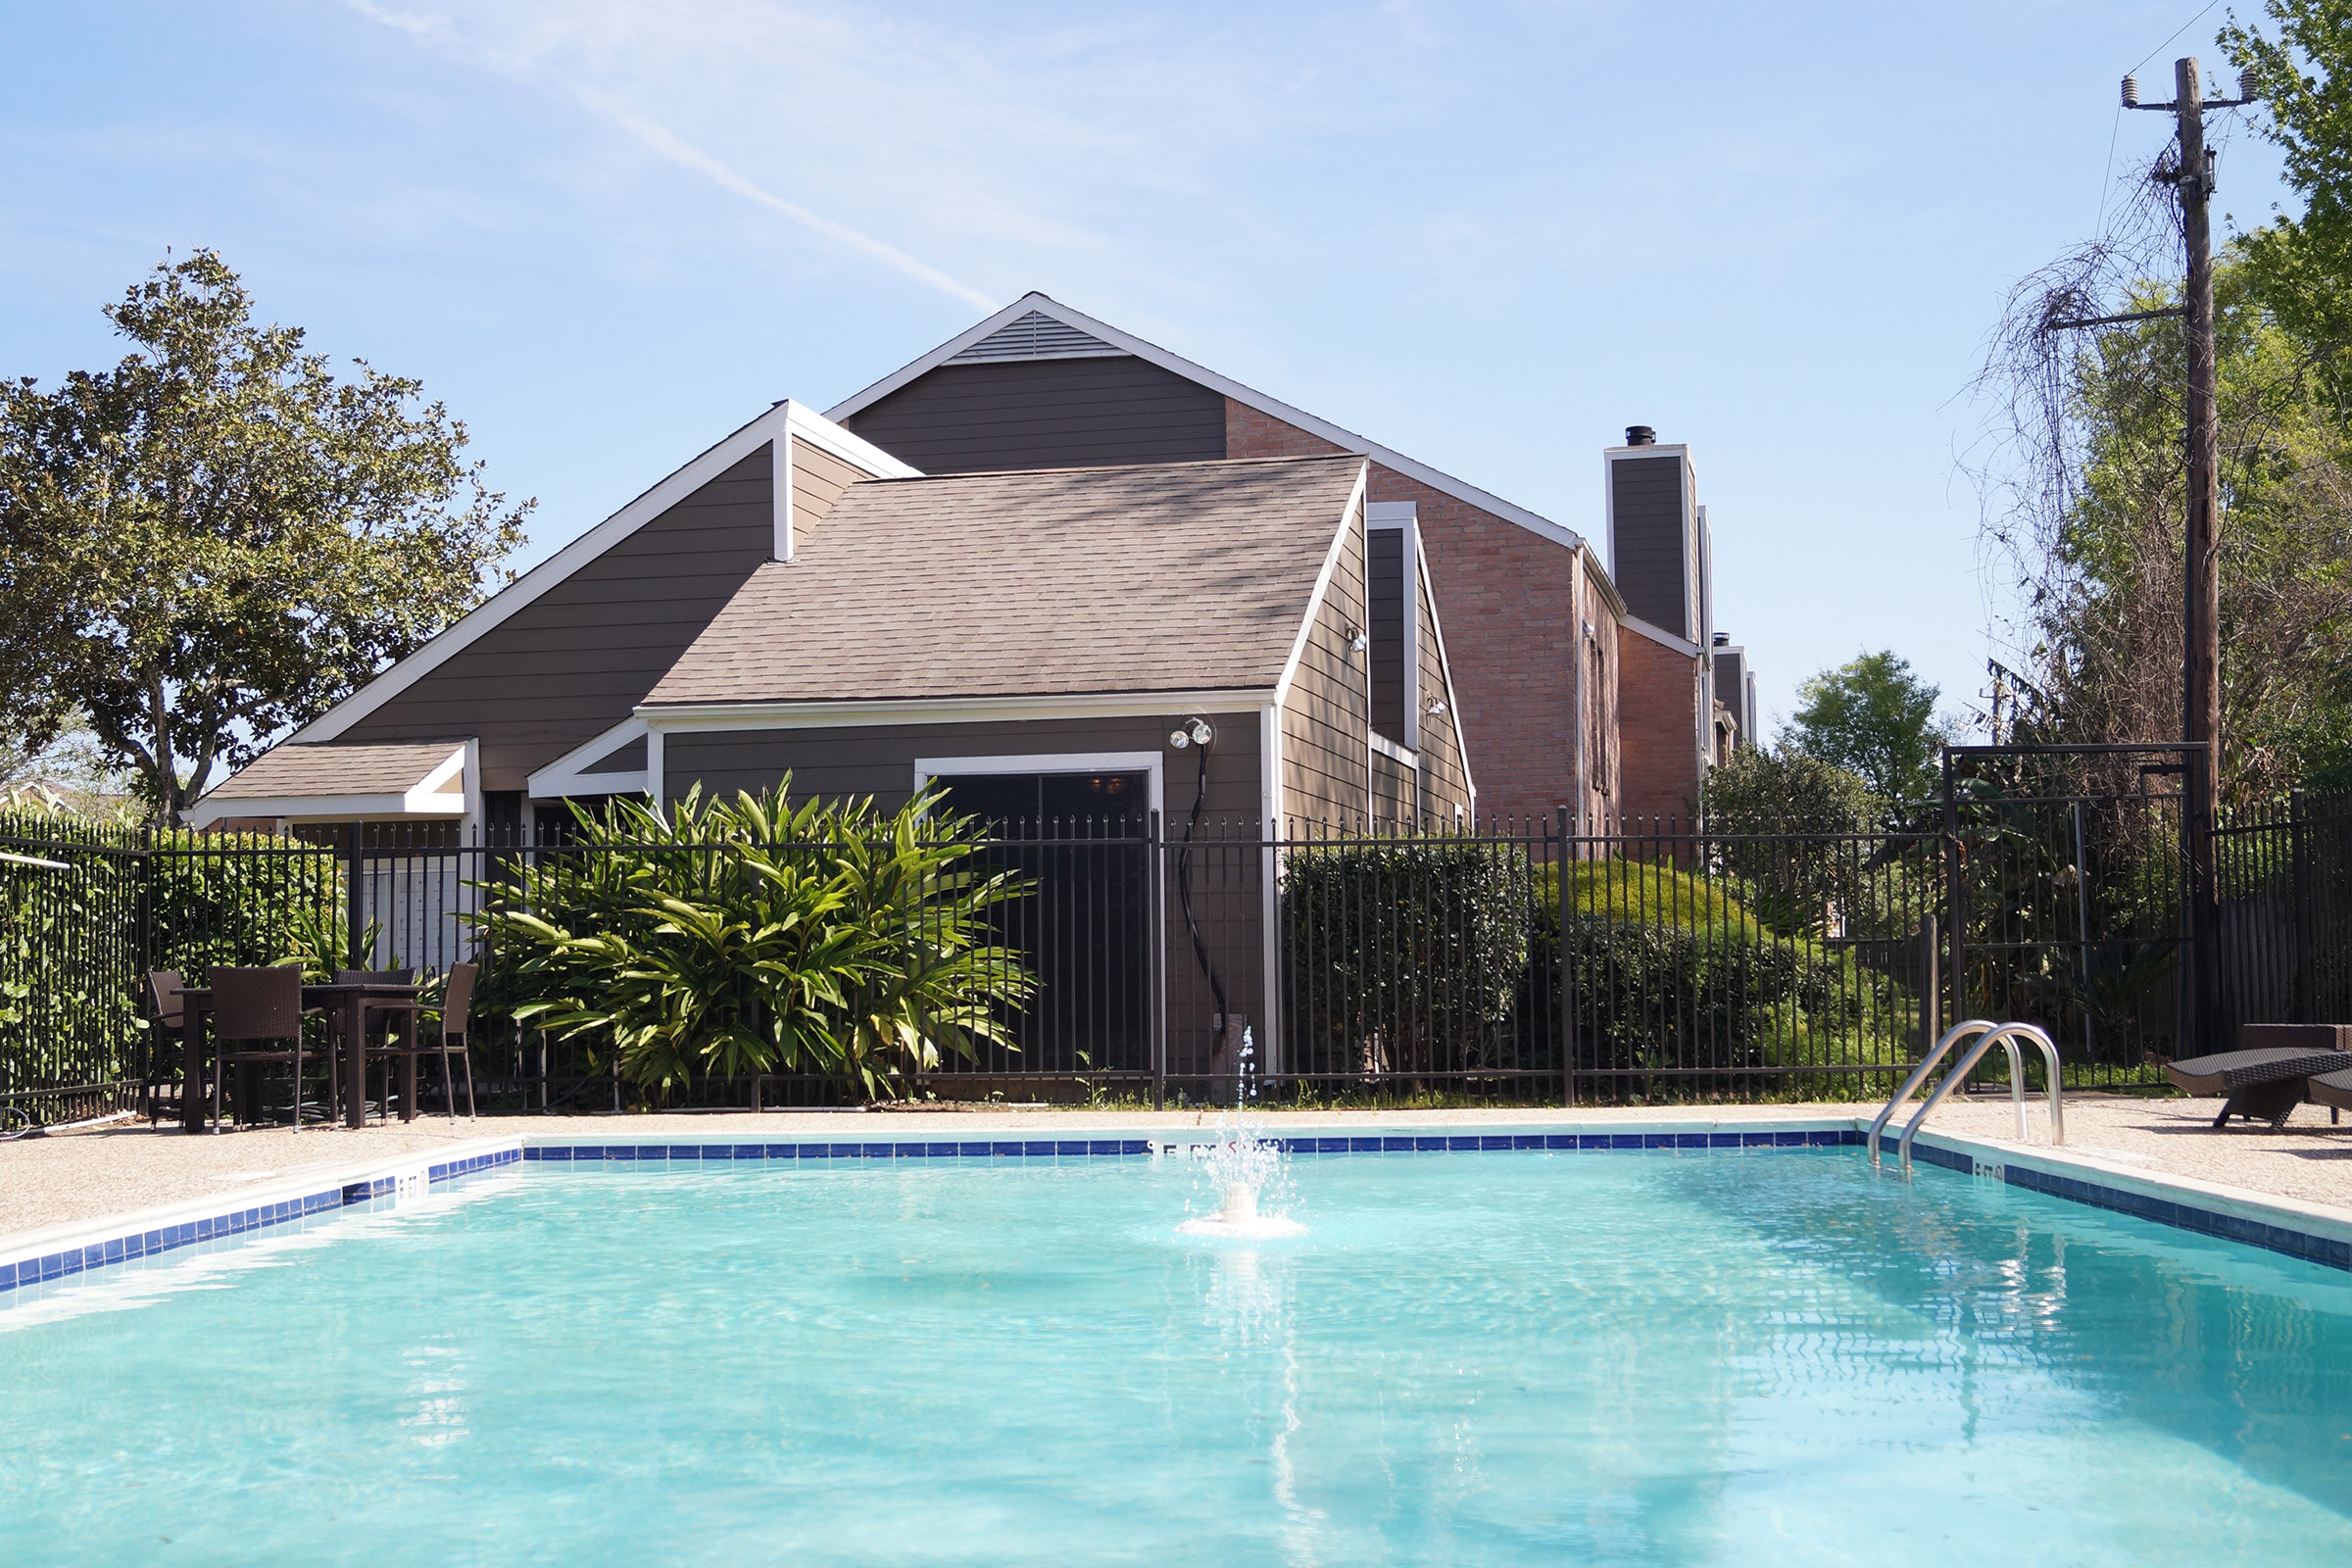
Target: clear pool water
{"x":1494,"y":1359}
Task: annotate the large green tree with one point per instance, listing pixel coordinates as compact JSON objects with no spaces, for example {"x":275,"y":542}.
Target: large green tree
{"x":1876,"y":719}
{"x":2107,"y":594}
{"x":2301,"y":264}
{"x":217,"y":538}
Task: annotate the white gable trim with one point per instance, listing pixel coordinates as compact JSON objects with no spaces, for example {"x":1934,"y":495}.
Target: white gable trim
{"x":772,"y":428}
{"x":1153,"y":353}
{"x":1453,"y":705}
{"x":1314,"y":601}
{"x":568,"y":775}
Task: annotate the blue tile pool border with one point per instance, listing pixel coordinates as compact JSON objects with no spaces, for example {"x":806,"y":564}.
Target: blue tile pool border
{"x":154,"y":1241}
{"x":2184,"y":1209}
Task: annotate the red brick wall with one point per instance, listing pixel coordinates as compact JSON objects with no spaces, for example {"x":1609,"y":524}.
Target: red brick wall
{"x":1507,"y":603}
{"x":1657,"y":727}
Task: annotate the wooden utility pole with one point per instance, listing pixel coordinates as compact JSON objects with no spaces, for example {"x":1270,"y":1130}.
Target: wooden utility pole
{"x":2201,"y":655}
{"x":2201,"y":560}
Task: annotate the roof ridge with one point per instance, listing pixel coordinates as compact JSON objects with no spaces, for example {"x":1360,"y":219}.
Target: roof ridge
{"x":1130,"y":467}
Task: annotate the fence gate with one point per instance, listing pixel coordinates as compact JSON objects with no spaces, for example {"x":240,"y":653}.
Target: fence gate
{"x":2067,"y":905}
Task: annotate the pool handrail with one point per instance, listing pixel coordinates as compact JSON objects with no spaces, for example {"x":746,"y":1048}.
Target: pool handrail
{"x":2003,"y":1036}
{"x":1926,"y":1064}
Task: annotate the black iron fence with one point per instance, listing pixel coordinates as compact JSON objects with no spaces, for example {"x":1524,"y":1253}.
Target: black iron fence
{"x":1521,"y":963}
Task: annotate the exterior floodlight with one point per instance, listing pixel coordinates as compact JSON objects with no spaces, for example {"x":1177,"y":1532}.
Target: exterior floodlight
{"x":2131,"y":92}
{"x":1179,"y":739}
{"x":1435,"y":707}
{"x":1201,"y":732}
{"x":1357,"y":639}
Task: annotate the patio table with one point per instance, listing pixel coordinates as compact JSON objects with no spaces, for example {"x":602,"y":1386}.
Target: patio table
{"x":347,"y":999}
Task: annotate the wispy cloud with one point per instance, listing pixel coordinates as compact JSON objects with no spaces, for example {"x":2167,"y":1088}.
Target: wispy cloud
{"x":437,"y":31}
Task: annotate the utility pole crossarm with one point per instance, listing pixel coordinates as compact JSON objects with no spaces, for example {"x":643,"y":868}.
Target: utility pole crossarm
{"x":2117,"y":321}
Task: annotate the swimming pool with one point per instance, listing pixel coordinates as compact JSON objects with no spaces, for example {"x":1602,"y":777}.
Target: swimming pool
{"x":1494,"y":1358}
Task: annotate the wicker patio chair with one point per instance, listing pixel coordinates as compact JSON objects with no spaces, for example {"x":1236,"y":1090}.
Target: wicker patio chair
{"x":452,"y":1037}
{"x":166,"y":1026}
{"x":257,"y":1019}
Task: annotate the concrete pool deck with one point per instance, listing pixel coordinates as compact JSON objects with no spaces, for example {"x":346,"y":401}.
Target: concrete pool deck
{"x":87,"y":1175}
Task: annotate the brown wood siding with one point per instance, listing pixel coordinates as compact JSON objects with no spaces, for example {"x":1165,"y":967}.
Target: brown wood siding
{"x":818,"y":478}
{"x":1511,"y":604}
{"x":1226,"y":867}
{"x":1045,"y":413}
{"x":1444,"y":777}
{"x":1326,"y":719}
{"x":1384,"y":556}
{"x":1650,"y":541}
{"x":630,"y":759}
{"x":577,"y":659}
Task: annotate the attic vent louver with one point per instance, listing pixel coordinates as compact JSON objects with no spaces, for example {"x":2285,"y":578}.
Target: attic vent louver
{"x":1035,"y":336}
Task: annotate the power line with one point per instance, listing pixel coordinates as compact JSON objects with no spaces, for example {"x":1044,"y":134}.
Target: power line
{"x":2107,"y":175}
{"x":2177,"y":33}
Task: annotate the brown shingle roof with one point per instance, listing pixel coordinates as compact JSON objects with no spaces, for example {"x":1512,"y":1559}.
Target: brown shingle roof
{"x":386,"y":768}
{"x":1179,"y":577}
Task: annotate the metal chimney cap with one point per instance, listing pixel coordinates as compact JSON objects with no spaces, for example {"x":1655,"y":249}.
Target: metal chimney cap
{"x":1640,"y":435}
{"x":1722,"y":639}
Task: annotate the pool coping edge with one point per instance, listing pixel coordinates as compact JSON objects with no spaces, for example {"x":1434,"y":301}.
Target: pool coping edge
{"x":2315,"y":1232}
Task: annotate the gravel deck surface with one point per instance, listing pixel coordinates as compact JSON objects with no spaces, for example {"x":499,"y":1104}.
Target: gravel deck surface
{"x":75,"y":1176}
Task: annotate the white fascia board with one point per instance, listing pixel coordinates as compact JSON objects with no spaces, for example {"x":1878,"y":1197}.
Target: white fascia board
{"x":1314,"y":601}
{"x":333,"y":808}
{"x":569,"y":775}
{"x":1453,"y":705}
{"x":1660,"y":635}
{"x":1392,"y":514}
{"x":927,"y":769}
{"x":724,"y":718}
{"x":773,"y":427}
{"x":1153,"y":353}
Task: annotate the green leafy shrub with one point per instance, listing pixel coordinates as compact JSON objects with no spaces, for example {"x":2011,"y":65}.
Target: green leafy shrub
{"x":242,"y":900}
{"x":727,"y":938}
{"x":1406,"y":954}
{"x":1670,"y":971}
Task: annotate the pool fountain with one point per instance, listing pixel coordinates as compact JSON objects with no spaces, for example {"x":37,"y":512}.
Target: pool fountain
{"x":1241,"y":1168}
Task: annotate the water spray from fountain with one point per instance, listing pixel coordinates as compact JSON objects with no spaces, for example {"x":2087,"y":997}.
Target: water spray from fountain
{"x":1241,"y":1168}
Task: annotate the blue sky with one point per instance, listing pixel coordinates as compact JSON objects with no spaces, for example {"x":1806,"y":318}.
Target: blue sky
{"x":1489,"y":235}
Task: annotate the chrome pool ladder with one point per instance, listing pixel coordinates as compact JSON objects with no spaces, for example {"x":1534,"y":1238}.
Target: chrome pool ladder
{"x":1990,"y":1034}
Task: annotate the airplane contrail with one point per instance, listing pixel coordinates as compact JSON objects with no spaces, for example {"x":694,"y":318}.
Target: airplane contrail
{"x":686,"y":155}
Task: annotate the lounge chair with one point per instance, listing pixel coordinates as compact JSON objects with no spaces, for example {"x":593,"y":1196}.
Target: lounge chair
{"x":2270,"y":1074}
{"x":2335,"y":1091}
